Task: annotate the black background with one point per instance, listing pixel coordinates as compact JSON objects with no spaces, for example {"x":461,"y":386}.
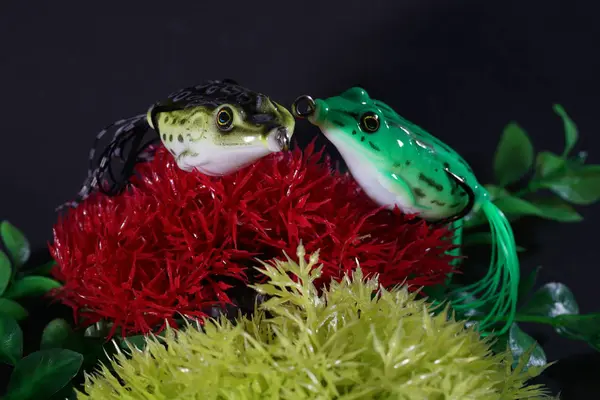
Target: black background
{"x":460,"y":69}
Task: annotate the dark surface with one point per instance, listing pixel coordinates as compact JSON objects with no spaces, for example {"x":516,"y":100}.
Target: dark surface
{"x":460,"y":69}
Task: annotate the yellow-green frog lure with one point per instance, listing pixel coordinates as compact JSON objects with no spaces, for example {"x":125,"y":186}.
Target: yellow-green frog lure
{"x":397,"y":163}
{"x":216,"y":128}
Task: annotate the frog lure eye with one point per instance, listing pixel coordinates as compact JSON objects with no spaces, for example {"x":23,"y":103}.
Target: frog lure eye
{"x":397,"y":163}
{"x":216,"y":128}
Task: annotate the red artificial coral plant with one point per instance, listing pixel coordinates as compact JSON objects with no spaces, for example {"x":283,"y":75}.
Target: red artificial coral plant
{"x":165,"y":246}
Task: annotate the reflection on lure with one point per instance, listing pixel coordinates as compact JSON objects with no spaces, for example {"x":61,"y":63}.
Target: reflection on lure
{"x":397,"y":163}
{"x":215,"y":128}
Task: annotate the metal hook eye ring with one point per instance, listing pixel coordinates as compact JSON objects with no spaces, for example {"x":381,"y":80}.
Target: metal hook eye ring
{"x":310,"y":109}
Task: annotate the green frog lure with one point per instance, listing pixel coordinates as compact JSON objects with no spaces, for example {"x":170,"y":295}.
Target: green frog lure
{"x":397,"y":163}
{"x":216,"y":128}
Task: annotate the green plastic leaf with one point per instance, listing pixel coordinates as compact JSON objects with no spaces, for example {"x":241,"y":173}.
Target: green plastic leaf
{"x":93,"y":349}
{"x":576,"y":185}
{"x":5,"y":272}
{"x":496,"y":191}
{"x":521,"y":343}
{"x":515,"y":207}
{"x":514,"y":155}
{"x":558,"y":210}
{"x":571,"y":133}
{"x":547,"y":163}
{"x":55,"y":334}
{"x":42,"y":374}
{"x":31,"y":286}
{"x":12,"y":309}
{"x":11,"y":340}
{"x":578,"y":159}
{"x":551,"y":300}
{"x":16,"y":243}
{"x":66,"y":393}
{"x":526,"y":285}
{"x":43,"y":269}
{"x":92,"y":343}
{"x":555,"y":304}
{"x":137,"y":341}
{"x":579,"y":327}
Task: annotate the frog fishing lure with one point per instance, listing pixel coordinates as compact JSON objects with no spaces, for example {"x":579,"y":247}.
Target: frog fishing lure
{"x":216,"y":128}
{"x":397,"y":163}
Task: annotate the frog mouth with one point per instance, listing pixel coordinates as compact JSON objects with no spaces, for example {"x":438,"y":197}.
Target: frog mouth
{"x":183,"y":159}
{"x":186,"y":153}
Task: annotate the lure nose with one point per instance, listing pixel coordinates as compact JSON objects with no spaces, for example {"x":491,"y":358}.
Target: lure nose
{"x":304,"y":107}
{"x":314,"y":110}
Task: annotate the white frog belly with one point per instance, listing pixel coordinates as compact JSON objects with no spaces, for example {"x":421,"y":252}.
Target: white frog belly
{"x":367,"y":176}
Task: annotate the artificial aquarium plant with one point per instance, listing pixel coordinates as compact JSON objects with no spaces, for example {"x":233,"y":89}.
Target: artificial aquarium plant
{"x":15,"y":282}
{"x":546,"y":185}
{"x":352,"y":340}
{"x":183,"y":242}
{"x":42,"y":373}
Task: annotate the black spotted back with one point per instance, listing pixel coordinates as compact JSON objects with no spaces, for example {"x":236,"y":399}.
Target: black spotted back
{"x":211,"y":95}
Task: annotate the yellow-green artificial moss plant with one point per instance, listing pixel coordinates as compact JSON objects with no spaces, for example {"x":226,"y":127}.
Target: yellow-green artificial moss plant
{"x":344,"y":343}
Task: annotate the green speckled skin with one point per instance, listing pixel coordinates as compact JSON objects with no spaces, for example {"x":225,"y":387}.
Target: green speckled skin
{"x":407,"y":162}
{"x":397,"y":163}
